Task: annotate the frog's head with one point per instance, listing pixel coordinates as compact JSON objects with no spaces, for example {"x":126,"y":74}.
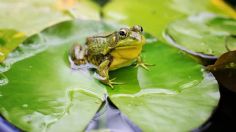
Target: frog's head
{"x":130,"y":36}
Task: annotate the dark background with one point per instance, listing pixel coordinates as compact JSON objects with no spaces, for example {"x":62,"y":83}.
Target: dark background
{"x":224,"y":117}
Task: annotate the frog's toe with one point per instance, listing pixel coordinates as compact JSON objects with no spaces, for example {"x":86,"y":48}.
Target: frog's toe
{"x":110,"y":85}
{"x":111,"y":82}
{"x":144,"y":65}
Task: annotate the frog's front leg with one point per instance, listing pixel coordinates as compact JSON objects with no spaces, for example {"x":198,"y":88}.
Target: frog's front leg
{"x":139,"y":62}
{"x":103,"y":71}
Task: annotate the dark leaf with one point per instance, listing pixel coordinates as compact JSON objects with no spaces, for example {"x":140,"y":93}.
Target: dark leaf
{"x":225,"y":70}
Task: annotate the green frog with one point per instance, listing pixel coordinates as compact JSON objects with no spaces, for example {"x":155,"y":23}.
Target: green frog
{"x":110,"y":52}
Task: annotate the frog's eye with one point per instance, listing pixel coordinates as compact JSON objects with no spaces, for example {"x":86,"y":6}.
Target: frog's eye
{"x":122,"y":33}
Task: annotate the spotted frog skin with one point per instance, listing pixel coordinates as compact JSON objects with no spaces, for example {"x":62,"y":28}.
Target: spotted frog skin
{"x":110,"y":52}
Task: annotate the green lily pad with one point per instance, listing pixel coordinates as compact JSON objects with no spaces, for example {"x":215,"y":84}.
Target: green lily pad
{"x":31,"y":16}
{"x":154,"y":15}
{"x":163,"y":98}
{"x":9,"y":40}
{"x":204,"y":35}
{"x":44,"y":93}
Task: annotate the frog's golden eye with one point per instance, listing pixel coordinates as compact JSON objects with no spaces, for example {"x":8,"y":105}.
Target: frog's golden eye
{"x":122,"y":33}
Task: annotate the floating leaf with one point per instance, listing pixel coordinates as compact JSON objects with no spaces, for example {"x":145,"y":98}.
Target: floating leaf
{"x":230,"y":43}
{"x":82,"y":9}
{"x":31,"y":16}
{"x":203,"y":35}
{"x":163,"y":98}
{"x":44,"y":93}
{"x":154,"y":15}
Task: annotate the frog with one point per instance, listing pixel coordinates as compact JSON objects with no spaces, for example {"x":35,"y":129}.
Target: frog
{"x":110,"y":52}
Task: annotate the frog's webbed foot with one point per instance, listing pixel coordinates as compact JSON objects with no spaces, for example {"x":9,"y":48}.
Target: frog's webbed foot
{"x":140,"y":62}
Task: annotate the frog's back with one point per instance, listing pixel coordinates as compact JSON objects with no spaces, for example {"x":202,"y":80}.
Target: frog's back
{"x":100,"y":44}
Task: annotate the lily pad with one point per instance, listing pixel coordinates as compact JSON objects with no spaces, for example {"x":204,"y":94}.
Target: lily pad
{"x":44,"y":93}
{"x":163,"y":98}
{"x":154,"y":15}
{"x":9,"y":40}
{"x":31,"y":16}
{"x":204,"y":35}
